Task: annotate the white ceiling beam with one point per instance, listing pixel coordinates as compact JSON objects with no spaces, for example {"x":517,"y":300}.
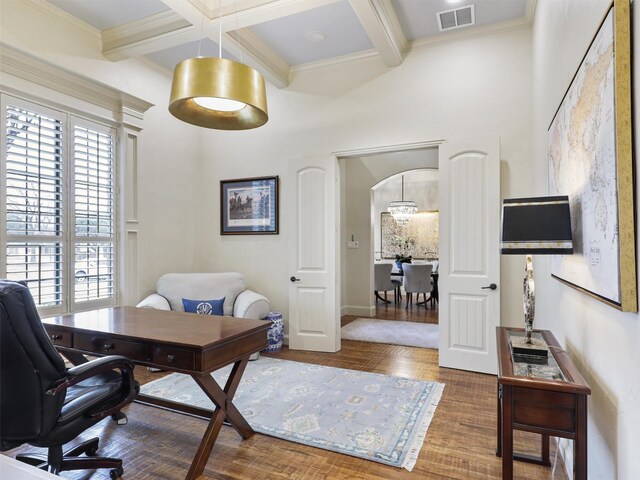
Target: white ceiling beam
{"x":150,"y":34}
{"x":379,"y":20}
{"x":182,"y":23}
{"x":251,"y":50}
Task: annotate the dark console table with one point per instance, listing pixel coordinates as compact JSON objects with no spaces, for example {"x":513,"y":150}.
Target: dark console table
{"x":549,"y":398}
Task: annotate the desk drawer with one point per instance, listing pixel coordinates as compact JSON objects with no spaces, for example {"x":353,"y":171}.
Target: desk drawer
{"x":59,"y":337}
{"x":174,"y":357}
{"x":109,"y":346}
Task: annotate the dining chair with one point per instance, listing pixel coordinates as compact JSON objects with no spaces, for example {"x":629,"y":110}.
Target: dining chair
{"x":382,"y":282}
{"x":417,"y":279}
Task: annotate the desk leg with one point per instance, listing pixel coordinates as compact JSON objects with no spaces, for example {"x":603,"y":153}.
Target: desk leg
{"x":224,"y":409}
{"x":544,"y":449}
{"x":507,"y":433}
{"x":580,"y":444}
{"x":499,"y":429}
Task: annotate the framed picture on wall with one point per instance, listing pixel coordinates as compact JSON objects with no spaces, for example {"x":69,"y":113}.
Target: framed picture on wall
{"x":249,"y":206}
{"x":591,"y":161}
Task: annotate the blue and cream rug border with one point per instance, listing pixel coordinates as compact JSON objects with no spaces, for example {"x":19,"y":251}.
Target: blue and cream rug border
{"x":377,"y":417}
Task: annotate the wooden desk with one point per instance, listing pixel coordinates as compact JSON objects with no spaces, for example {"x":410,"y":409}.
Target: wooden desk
{"x":551,"y":401}
{"x":180,"y":342}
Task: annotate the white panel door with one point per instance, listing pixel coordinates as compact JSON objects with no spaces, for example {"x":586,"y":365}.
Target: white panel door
{"x":314,"y":321}
{"x":469,"y":254}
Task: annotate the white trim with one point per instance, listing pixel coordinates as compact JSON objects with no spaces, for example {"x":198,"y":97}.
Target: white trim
{"x":51,"y":10}
{"x":402,"y":147}
{"x":379,"y":20}
{"x":334,"y":62}
{"x":455,"y":35}
{"x":358,"y":310}
{"x":115,"y":105}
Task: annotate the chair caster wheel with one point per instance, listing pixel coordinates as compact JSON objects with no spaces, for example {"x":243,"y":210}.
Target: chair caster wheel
{"x":116,"y":473}
{"x":120,"y":418}
{"x":92,"y":452}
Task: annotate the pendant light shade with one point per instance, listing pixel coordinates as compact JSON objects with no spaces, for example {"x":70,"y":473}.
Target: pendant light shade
{"x":218,"y":93}
{"x":402,"y":210}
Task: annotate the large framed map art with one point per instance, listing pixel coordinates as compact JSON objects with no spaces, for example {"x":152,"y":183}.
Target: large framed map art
{"x":590,"y":159}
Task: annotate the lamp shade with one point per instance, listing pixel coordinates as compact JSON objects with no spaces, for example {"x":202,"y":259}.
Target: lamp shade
{"x":199,"y":82}
{"x":538,"y":225}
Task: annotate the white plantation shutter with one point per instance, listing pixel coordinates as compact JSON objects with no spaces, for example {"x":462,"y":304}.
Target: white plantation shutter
{"x":94,"y":214}
{"x":58,"y":200}
{"x":33,"y":199}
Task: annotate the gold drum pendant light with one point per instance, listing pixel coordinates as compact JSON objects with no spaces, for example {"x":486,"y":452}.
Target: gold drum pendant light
{"x":200,"y":83}
{"x":218,"y":93}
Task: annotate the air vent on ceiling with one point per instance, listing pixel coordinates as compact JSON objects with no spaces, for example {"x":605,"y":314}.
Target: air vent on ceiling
{"x":456,"y":18}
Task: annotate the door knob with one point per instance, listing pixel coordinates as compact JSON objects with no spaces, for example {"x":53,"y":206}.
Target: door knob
{"x":294,"y":279}
{"x":493,"y":286}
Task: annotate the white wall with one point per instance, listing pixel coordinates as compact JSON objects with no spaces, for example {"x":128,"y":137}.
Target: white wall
{"x":465,"y":89}
{"x":602,"y":341}
{"x":169,"y":154}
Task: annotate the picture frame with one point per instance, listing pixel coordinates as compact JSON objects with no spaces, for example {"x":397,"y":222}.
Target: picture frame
{"x":249,"y":206}
{"x":420,"y":238}
{"x":591,"y":160}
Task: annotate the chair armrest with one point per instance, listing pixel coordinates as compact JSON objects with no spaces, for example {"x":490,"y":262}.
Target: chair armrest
{"x":155,"y":301}
{"x":252,"y":305}
{"x":99,"y":365}
{"x":95,"y":367}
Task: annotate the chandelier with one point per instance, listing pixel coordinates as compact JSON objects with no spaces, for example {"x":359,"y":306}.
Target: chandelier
{"x":218,"y":93}
{"x":402,"y":210}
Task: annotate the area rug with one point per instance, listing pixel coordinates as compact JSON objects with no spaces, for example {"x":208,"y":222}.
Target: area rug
{"x":393,"y":332}
{"x":368,"y":415}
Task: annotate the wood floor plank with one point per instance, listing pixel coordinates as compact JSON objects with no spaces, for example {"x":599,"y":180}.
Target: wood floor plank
{"x":158,"y":444}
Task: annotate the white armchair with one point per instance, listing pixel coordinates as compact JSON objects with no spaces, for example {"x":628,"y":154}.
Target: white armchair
{"x":239,"y":302}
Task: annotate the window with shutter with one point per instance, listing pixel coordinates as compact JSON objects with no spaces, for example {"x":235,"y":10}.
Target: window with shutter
{"x":59,"y":200}
{"x":94,"y":214}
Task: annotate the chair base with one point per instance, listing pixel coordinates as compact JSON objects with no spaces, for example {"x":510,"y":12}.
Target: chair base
{"x":56,"y":461}
{"x":424,"y":302}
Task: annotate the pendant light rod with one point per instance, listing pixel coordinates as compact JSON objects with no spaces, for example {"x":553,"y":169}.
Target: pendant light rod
{"x":220,"y":29}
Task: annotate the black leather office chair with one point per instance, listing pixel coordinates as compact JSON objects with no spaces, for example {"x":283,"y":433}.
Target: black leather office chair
{"x":43,"y":403}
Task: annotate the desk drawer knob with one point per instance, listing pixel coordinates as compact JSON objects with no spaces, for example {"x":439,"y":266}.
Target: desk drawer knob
{"x":171,"y":358}
{"x":56,"y":336}
{"x":109,"y":346}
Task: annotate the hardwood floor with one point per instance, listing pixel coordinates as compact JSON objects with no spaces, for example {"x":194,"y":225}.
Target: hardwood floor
{"x":398,"y":312}
{"x":460,"y":443}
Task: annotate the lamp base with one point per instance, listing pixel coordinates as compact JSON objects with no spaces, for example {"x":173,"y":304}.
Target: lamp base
{"x":537,"y":347}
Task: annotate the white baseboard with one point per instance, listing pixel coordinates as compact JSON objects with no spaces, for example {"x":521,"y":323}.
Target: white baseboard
{"x":358,"y":310}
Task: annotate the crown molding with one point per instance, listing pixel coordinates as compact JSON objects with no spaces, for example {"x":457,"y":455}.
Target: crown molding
{"x":474,"y":32}
{"x":26,"y":67}
{"x":52,"y":11}
{"x":160,"y":25}
{"x":335,"y":61}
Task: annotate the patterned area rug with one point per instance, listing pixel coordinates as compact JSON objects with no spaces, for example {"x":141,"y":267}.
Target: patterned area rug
{"x":392,"y":332}
{"x":367,"y":415}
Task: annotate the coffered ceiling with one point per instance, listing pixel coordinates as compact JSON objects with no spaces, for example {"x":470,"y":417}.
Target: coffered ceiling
{"x":278,"y":36}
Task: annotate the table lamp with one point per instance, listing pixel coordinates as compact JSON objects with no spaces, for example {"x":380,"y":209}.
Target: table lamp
{"x":534,"y":226}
